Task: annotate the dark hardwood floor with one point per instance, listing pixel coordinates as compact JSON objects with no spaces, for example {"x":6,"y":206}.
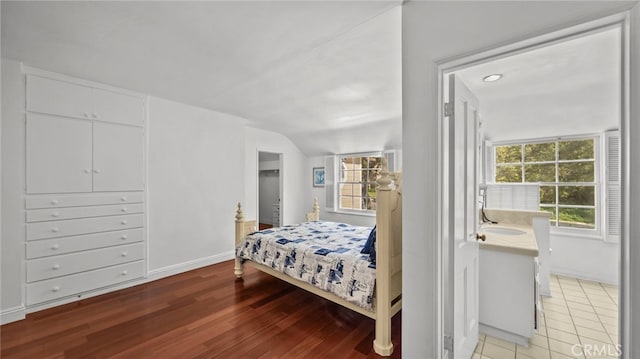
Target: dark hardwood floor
{"x":262,"y":226}
{"x":204,"y":313}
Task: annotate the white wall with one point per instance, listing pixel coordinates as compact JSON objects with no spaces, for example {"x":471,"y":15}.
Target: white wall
{"x":592,"y":259}
{"x":195,"y":178}
{"x":318,"y":192}
{"x":295,"y":179}
{"x":432,"y":32}
{"x":12,"y":241}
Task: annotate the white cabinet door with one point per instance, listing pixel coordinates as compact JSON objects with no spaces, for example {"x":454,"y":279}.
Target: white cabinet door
{"x":58,"y":155}
{"x":117,"y":157}
{"x":58,"y":97}
{"x":119,"y":108}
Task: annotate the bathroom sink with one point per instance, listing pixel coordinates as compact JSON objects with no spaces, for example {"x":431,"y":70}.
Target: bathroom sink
{"x":505,"y":231}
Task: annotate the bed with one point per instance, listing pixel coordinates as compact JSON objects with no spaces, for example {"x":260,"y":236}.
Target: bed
{"x":370,"y":284}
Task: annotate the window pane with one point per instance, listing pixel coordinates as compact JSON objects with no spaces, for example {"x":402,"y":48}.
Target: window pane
{"x":345,"y":202}
{"x":540,"y":173}
{"x":576,"y":172}
{"x":372,"y":203}
{"x":577,"y":217}
{"x":372,"y":191}
{"x":509,"y":154}
{"x":577,"y":195}
{"x":346,"y":189}
{"x":547,"y":195}
{"x":509,"y":173}
{"x":576,"y":150}
{"x":551,"y":210}
{"x":539,"y":152}
{"x":374,"y":162}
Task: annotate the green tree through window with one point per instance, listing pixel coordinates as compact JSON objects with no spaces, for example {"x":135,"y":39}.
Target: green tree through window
{"x":566,"y":171}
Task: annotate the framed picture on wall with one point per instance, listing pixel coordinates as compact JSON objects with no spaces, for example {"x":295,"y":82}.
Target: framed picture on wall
{"x":318,"y":177}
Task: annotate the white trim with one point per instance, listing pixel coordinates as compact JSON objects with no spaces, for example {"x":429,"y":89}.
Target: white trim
{"x":572,"y":30}
{"x":12,"y":314}
{"x":187,"y":266}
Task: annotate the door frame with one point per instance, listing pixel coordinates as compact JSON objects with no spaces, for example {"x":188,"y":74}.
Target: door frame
{"x":537,"y":41}
{"x":280,"y":180}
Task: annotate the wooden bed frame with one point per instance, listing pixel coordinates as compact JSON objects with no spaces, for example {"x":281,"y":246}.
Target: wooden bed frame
{"x":388,"y":290}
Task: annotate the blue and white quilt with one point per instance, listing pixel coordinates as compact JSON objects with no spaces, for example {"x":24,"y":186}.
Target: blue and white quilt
{"x":323,"y":254}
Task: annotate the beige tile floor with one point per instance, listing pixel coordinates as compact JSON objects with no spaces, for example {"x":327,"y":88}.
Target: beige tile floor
{"x":580,"y":320}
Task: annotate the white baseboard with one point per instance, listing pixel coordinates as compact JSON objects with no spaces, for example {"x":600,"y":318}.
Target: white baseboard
{"x":187,"y":266}
{"x":12,"y":315}
{"x":596,"y":277}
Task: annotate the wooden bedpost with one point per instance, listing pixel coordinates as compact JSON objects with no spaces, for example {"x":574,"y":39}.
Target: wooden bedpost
{"x":315,"y":215}
{"x":237,"y":269}
{"x":382,"y":343}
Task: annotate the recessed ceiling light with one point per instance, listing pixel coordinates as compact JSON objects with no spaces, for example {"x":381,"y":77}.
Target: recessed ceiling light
{"x":492,"y":78}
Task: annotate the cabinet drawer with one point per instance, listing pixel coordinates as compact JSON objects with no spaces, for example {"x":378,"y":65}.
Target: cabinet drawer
{"x":57,"y":266}
{"x":63,"y":245}
{"x":70,"y":285}
{"x":58,"y":97}
{"x":53,"y":229}
{"x":73,"y":200}
{"x":50,"y":214}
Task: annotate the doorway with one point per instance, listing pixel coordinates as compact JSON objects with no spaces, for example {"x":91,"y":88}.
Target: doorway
{"x":581,"y":306}
{"x":269,"y":189}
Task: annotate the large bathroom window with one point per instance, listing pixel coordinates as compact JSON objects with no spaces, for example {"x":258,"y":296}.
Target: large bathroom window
{"x":565,"y":168}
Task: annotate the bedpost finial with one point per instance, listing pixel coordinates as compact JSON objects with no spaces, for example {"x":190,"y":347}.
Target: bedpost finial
{"x":384,"y":180}
{"x":239,"y":215}
{"x":316,"y":206}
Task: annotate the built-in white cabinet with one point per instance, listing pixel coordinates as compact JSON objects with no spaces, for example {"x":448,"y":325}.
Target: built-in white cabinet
{"x":66,"y":155}
{"x":62,"y":98}
{"x":58,"y":155}
{"x":117,"y":157}
{"x":84,"y":190}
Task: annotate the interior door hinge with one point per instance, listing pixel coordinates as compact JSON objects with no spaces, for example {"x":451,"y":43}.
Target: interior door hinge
{"x":448,"y":343}
{"x":448,"y":109}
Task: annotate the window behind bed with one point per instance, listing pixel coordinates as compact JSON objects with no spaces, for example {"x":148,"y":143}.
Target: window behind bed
{"x":350,"y":180}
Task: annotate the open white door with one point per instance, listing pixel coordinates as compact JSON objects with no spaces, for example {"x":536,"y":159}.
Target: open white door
{"x":462,"y":113}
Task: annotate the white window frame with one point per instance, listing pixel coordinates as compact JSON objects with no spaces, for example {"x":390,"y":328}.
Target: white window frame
{"x":598,"y":166}
{"x":340,"y":180}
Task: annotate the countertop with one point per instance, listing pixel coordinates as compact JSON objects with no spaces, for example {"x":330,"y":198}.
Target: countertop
{"x":524,"y":244}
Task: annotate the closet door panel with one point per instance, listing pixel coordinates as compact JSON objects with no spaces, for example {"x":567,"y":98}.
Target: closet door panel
{"x":118,"y":108}
{"x":58,"y":155}
{"x":117,"y":157}
{"x":58,"y":97}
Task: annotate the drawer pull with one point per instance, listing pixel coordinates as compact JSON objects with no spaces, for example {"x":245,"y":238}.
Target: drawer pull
{"x":55,"y":289}
{"x":55,"y":214}
{"x":123,"y":199}
{"x":97,"y":170}
{"x":124,"y":209}
{"x":94,"y":115}
{"x":55,"y":229}
{"x":86,"y":170}
{"x":124,"y":254}
{"x":54,"y":202}
{"x":124,"y":236}
{"x":124,"y":221}
{"x":55,"y":246}
{"x":55,"y":267}
{"x":124,"y":272}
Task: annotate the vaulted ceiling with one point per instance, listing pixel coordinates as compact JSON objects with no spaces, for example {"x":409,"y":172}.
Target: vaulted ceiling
{"x":325,"y":73}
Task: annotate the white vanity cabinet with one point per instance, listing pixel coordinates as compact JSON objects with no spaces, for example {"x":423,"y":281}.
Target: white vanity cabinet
{"x":85,"y":188}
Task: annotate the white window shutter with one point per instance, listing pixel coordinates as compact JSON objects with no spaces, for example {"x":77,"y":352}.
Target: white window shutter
{"x":612,"y":185}
{"x":329,"y":183}
{"x":394,"y":160}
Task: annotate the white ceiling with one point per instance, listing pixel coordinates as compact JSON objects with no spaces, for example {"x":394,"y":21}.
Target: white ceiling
{"x":568,"y":88}
{"x":325,"y":73}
